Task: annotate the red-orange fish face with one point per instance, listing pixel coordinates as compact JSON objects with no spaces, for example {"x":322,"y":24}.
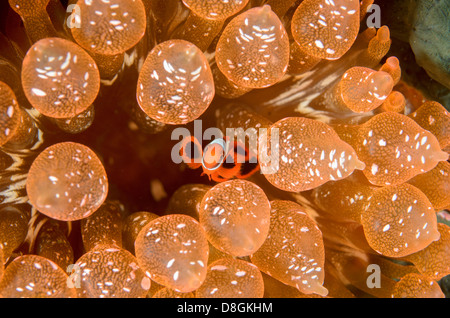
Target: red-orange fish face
{"x":217,"y":163}
{"x":221,"y":160}
{"x":214,"y":155}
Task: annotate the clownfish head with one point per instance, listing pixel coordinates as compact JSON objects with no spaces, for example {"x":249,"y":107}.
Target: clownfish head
{"x":213,"y":156}
{"x":221,"y":160}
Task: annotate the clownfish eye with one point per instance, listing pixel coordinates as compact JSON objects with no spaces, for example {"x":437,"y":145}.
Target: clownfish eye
{"x":214,"y":154}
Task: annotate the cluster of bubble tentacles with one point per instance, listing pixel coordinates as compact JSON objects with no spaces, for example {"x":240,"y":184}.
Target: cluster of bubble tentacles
{"x":360,"y":177}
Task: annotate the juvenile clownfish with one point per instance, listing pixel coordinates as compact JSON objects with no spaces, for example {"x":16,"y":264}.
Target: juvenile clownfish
{"x":221,"y":159}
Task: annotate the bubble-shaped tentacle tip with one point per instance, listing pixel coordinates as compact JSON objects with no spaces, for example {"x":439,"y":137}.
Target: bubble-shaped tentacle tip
{"x":299,"y":154}
{"x":26,"y":135}
{"x":215,"y":10}
{"x":434,"y":260}
{"x":392,"y":67}
{"x":326,"y":29}
{"x":32,"y":276}
{"x":110,"y":27}
{"x":173,"y":251}
{"x":399,"y":220}
{"x":175,"y":84}
{"x":363,"y":89}
{"x":433,"y":117}
{"x":345,"y":198}
{"x":132,"y":225}
{"x":379,"y":43}
{"x":111,"y":272}
{"x":67,"y":182}
{"x":235,"y":215}
{"x":17,"y":129}
{"x":395,"y":102}
{"x":9,"y":113}
{"x":417,"y":286}
{"x":435,"y":184}
{"x":253,"y":50}
{"x":103,"y":227}
{"x":59,"y":78}
{"x":294,"y":251}
{"x":232,"y":278}
{"x":13,"y":229}
{"x":393,"y":147}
